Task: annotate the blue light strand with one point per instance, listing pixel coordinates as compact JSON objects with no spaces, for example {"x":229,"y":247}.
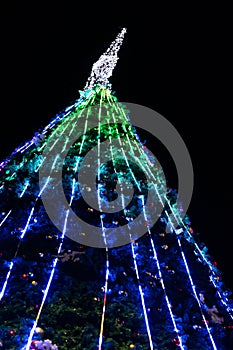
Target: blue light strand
{"x":5,"y":217}
{"x":20,"y":196}
{"x":161,"y":279}
{"x":132,"y":245}
{"x":193,"y":285}
{"x":27,"y":224}
{"x":16,"y":253}
{"x":6,"y":280}
{"x":24,"y":189}
{"x":103,"y":234}
{"x":142,"y":298}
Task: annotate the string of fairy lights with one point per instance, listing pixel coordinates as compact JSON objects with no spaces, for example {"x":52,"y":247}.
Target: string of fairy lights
{"x":131,"y":239}
{"x":132,"y":243}
{"x":103,"y":234}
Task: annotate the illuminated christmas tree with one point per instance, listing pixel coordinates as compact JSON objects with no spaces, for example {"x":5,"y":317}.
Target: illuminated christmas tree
{"x":95,"y":252}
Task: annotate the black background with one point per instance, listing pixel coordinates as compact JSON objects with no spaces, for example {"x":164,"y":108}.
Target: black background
{"x":175,"y":60}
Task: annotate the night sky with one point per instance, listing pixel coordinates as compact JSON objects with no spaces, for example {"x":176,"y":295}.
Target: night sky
{"x":177,"y":62}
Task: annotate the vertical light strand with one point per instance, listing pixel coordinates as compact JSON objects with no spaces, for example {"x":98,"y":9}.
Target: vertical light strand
{"x":22,"y":235}
{"x":161,"y":278}
{"x":103,"y":234}
{"x":202,"y":256}
{"x":16,"y":252}
{"x":5,"y":217}
{"x":6,"y":280}
{"x":9,"y":212}
{"x":132,"y":245}
{"x":193,"y":286}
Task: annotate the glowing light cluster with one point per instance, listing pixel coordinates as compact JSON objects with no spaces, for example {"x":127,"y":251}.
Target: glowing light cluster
{"x":103,"y":68}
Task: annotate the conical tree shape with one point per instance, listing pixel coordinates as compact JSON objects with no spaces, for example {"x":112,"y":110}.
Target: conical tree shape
{"x":95,"y":282}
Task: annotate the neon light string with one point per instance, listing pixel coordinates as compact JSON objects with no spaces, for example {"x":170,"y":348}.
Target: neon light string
{"x":16,"y":252}
{"x":13,"y":175}
{"x":98,"y":145}
{"x":20,"y":196}
{"x":200,"y":254}
{"x":83,"y":137}
{"x":6,"y":216}
{"x":132,"y":246}
{"x":40,"y":163}
{"x":27,"y":224}
{"x":142,"y":298}
{"x":193,"y":285}
{"x":40,"y":149}
{"x":27,"y":146}
{"x":140,"y":290}
{"x":133,"y":252}
{"x":161,"y":278}
{"x":28,"y":345}
{"x":6,"y":280}
{"x":104,"y":237}
{"x":24,"y":189}
{"x":105,"y":291}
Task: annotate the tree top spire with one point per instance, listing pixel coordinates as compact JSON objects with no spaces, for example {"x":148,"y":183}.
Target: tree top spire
{"x":103,"y":68}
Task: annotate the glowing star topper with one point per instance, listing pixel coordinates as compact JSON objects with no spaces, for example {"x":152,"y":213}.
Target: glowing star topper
{"x":103,"y":68}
